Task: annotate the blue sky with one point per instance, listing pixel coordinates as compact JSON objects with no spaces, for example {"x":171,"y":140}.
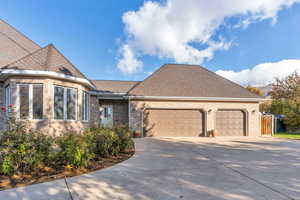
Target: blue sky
{"x":92,"y":35}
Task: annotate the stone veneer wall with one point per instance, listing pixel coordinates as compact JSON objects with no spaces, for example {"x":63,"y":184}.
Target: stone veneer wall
{"x":48,"y":124}
{"x":252,"y":112}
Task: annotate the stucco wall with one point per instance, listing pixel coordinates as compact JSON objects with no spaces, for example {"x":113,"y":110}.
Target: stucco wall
{"x":49,"y":124}
{"x":210,"y":108}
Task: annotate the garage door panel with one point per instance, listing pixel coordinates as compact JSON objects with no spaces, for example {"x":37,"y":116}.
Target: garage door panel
{"x":174,"y":123}
{"x":230,"y":123}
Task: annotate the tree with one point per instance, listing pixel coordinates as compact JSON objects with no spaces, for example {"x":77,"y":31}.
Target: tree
{"x":255,"y":90}
{"x":286,"y":100}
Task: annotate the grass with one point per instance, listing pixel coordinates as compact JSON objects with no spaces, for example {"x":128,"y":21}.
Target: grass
{"x":293,"y":136}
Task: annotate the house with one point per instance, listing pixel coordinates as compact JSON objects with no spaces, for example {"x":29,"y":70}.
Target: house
{"x":53,"y":96}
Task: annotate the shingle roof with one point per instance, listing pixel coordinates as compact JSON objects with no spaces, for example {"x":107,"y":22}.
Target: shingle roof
{"x":46,"y":59}
{"x":14,"y":44}
{"x":188,"y":81}
{"x":111,"y":86}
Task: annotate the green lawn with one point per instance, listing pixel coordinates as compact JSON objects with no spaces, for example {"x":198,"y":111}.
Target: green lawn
{"x":293,"y":136}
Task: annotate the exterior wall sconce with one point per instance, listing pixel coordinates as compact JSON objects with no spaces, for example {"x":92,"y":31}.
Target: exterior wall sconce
{"x":253,"y":111}
{"x":209,"y":111}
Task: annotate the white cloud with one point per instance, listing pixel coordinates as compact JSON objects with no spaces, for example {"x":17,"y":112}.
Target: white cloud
{"x":262,"y":74}
{"x":185,"y":31}
{"x":128,"y":64}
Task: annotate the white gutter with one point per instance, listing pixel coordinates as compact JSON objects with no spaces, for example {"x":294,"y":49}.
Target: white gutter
{"x":46,"y":73}
{"x":196,"y":98}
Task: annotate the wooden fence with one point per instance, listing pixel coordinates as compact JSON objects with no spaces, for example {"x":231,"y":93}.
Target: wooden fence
{"x":267,"y":124}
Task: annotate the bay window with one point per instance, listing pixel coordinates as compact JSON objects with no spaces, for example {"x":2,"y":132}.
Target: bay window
{"x":65,"y":102}
{"x":30,"y":101}
{"x":85,"y":106}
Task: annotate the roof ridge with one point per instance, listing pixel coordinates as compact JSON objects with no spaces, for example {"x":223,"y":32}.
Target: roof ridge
{"x":155,"y":72}
{"x":19,"y":32}
{"x":5,"y":35}
{"x":227,"y":80}
{"x":69,"y":62}
{"x":48,"y":56}
{"x":27,"y":55}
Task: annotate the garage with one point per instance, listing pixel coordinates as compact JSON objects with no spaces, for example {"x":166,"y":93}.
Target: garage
{"x":230,"y":123}
{"x":173,"y":123}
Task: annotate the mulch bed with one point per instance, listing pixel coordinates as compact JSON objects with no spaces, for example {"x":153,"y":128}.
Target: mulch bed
{"x":50,"y":174}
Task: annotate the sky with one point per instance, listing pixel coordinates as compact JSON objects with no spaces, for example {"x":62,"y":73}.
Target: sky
{"x":249,"y":42}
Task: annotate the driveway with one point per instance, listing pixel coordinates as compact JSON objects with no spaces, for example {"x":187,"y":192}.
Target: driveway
{"x":187,"y":168}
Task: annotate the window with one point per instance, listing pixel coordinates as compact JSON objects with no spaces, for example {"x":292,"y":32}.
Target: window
{"x":65,"y":102}
{"x":37,"y":100}
{"x":7,"y":100}
{"x":107,"y":115}
{"x":85,"y":106}
{"x":30,"y":101}
{"x":107,"y":112}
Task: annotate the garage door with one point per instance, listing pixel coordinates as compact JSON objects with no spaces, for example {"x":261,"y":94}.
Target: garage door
{"x":230,"y":123}
{"x":173,"y":123}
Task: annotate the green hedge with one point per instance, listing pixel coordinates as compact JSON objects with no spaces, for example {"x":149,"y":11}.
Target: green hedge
{"x":23,"y":151}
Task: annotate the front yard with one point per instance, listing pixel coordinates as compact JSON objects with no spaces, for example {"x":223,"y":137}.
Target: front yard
{"x":293,"y":136}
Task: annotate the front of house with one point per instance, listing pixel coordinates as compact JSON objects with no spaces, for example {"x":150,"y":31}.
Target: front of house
{"x":177,"y":100}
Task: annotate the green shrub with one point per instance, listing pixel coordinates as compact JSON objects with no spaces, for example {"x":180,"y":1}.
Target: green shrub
{"x":6,"y":167}
{"x":124,"y":133}
{"x":106,"y":142}
{"x":23,"y":151}
{"x":74,"y":150}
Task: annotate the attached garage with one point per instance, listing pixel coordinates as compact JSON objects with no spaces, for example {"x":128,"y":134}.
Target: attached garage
{"x":174,"y":123}
{"x":231,"y":123}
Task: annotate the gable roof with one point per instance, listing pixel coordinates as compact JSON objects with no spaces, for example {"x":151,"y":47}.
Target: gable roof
{"x":14,"y":44}
{"x":111,"y":86}
{"x":46,"y":59}
{"x":179,"y":80}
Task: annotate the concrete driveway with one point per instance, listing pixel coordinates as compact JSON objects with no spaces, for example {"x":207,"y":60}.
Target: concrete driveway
{"x":187,"y":168}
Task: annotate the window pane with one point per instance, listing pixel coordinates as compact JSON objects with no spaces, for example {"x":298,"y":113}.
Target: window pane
{"x":71,"y":103}
{"x":58,"y":103}
{"x":87,"y":106}
{"x":7,"y":96}
{"x":37,"y":101}
{"x":85,"y":100}
{"x":24,"y":101}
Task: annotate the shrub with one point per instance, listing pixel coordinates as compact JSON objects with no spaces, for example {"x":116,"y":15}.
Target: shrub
{"x":106,"y":142}
{"x":74,"y":150}
{"x":23,"y":151}
{"x":124,"y":134}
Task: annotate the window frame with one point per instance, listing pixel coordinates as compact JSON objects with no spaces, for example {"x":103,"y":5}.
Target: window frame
{"x":85,"y":111}
{"x":65,"y":115}
{"x":30,"y":101}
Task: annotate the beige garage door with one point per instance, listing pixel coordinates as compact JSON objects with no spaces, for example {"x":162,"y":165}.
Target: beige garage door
{"x":230,"y":123}
{"x":173,"y":123}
